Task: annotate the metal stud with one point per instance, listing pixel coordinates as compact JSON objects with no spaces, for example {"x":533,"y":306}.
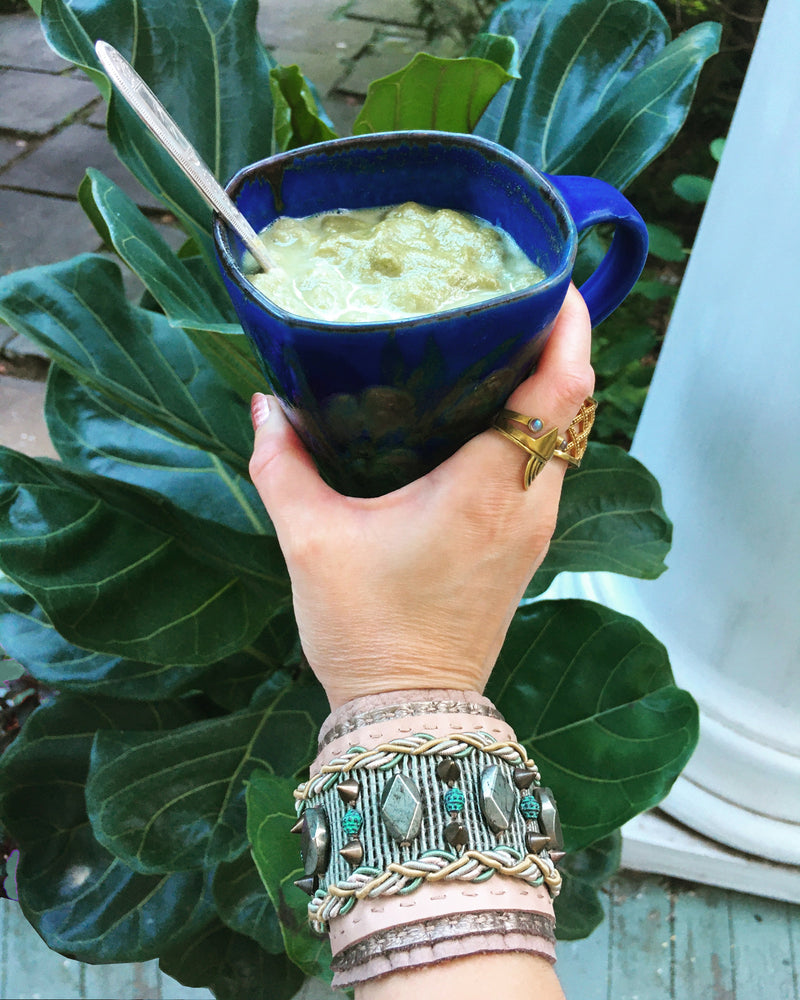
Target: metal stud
{"x":498,"y":798}
{"x":308,"y":885}
{"x":316,"y":844}
{"x":456,"y":835}
{"x":524,"y":777}
{"x":401,"y":808}
{"x":549,"y":822}
{"x":353,"y":853}
{"x":298,"y":827}
{"x":448,"y":770}
{"x":535,"y":842}
{"x":348,"y":791}
{"x":556,"y":856}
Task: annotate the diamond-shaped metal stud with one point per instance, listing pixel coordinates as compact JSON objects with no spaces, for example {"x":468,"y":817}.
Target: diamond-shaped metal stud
{"x":524,"y":777}
{"x":549,"y":823}
{"x":353,"y":853}
{"x":401,"y":808}
{"x":448,"y":770}
{"x":315,"y":846}
{"x":348,"y":791}
{"x":498,"y":798}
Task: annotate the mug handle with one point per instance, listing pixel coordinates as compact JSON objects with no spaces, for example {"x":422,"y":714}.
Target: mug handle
{"x":591,"y":201}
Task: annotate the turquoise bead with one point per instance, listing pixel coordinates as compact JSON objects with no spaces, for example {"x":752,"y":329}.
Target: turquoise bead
{"x":454,"y":800}
{"x":529,"y":807}
{"x":352,"y":822}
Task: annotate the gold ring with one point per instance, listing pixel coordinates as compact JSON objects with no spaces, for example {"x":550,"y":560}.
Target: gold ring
{"x":529,"y":434}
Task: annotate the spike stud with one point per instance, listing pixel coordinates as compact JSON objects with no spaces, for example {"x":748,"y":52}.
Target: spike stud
{"x":348,"y":791}
{"x":524,"y":777}
{"x":298,"y":827}
{"x":448,"y":771}
{"x":308,"y":885}
{"x":456,"y":835}
{"x":353,"y":853}
{"x":535,"y":842}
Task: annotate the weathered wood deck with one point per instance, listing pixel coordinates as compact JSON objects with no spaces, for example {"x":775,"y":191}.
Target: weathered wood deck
{"x":662,"y":940}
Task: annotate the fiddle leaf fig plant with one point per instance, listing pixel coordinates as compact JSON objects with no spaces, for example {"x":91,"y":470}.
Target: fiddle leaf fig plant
{"x":141,"y":584}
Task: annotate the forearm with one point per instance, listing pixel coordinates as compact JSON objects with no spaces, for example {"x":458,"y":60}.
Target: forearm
{"x":510,"y":975}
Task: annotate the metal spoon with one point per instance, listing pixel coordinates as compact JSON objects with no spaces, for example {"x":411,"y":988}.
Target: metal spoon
{"x":156,"y":117}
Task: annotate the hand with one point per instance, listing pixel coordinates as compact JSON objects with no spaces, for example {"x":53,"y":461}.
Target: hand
{"x":416,"y":589}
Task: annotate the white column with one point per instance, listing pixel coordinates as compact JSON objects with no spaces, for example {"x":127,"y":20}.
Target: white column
{"x":721,"y":432}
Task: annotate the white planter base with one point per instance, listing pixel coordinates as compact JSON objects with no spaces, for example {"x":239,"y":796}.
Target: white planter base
{"x":656,"y":844}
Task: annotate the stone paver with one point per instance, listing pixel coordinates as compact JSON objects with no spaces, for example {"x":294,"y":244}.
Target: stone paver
{"x":10,"y":149}
{"x":22,"y":426}
{"x":391,"y":52}
{"x":323,"y":71}
{"x":390,"y":11}
{"x":280,"y":27}
{"x":39,"y":230}
{"x":23,"y":47}
{"x":34,"y":103}
{"x":58,"y":166}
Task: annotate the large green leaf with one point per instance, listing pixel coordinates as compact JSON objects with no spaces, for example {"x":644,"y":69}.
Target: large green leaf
{"x":234,"y":683}
{"x":119,"y":570}
{"x":243,"y":904}
{"x":578,"y":906}
{"x":172,"y":801}
{"x":297,"y":118}
{"x":186,"y":302}
{"x":27,"y":634}
{"x":591,"y":694}
{"x":270,"y":817}
{"x":601,"y":91}
{"x":448,"y":95}
{"x":101,"y":435}
{"x":232,"y":965}
{"x":610,"y":518}
{"x":208,"y":67}
{"x":77,"y":311}
{"x":82,"y":900}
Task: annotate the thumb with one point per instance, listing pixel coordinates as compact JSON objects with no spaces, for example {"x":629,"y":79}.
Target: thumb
{"x":282,"y":470}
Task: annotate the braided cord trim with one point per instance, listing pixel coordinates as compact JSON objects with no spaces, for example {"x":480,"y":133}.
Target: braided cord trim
{"x":387,"y":755}
{"x":433,"y":866}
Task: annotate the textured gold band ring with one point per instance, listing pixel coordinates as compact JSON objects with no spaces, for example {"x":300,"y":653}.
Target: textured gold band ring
{"x":528,"y":433}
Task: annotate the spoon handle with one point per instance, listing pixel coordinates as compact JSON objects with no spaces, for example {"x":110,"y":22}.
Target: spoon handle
{"x":156,"y":117}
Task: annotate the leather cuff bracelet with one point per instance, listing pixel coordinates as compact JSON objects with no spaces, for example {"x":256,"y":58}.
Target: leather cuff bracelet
{"x":426,"y":835}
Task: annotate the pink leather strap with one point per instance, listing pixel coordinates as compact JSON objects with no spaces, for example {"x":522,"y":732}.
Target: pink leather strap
{"x":437,"y":899}
{"x":392,"y":923}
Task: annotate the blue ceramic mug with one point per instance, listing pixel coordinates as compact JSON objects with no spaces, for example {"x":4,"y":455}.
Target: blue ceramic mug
{"x":379,"y":404}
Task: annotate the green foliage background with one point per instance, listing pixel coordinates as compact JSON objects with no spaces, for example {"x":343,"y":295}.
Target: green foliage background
{"x":140,"y":577}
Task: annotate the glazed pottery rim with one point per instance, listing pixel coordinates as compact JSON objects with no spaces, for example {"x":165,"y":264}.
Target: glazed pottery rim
{"x":486,"y":146}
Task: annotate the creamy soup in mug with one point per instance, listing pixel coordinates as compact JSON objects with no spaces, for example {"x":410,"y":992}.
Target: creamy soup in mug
{"x":376,"y":264}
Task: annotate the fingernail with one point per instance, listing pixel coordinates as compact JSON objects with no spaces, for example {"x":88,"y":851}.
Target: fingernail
{"x":259,"y":410}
